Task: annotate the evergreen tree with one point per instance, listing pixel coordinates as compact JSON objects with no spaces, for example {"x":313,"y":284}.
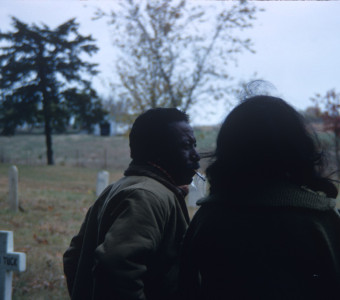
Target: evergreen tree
{"x":44,"y":80}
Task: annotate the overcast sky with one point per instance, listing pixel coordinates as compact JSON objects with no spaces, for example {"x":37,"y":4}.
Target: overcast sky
{"x":297,"y":44}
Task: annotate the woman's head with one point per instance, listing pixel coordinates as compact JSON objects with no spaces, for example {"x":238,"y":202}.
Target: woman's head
{"x":261,"y":140}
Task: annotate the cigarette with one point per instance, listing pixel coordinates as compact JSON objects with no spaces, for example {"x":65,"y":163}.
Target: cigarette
{"x":200,"y":176}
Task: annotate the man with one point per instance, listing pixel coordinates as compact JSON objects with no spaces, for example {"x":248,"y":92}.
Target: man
{"x":128,"y":245}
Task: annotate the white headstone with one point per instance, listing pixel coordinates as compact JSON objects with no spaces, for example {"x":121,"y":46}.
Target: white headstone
{"x":102,"y":181}
{"x":197,"y":190}
{"x":13,"y":188}
{"x":9,"y":261}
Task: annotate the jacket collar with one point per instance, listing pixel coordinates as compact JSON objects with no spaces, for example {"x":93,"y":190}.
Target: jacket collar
{"x":282,"y":194}
{"x":155,"y":172}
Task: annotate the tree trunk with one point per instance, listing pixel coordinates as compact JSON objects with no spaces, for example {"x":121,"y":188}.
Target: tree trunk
{"x":46,"y":106}
{"x":48,"y":139}
{"x":48,"y":129}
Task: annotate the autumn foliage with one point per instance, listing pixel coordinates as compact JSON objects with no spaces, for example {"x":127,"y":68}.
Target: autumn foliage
{"x":329,"y":109}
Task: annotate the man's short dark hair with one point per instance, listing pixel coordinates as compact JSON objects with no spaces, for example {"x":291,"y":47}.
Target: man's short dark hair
{"x":148,"y":135}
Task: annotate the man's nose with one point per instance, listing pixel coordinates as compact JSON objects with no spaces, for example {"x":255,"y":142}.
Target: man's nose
{"x":195,"y":156}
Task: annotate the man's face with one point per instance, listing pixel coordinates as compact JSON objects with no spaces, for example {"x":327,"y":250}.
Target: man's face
{"x":180,"y":159}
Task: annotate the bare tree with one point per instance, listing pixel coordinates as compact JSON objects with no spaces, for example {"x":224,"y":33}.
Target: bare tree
{"x":176,"y":54}
{"x":117,"y":110}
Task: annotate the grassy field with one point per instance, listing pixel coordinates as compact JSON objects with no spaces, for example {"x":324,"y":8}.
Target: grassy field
{"x":53,"y":203}
{"x":54,"y":200}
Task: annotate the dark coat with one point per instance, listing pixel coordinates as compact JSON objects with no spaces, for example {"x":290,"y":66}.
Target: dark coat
{"x":279,"y":243}
{"x":128,"y":245}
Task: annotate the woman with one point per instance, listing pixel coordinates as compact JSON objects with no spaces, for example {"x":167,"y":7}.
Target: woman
{"x":269,"y":228}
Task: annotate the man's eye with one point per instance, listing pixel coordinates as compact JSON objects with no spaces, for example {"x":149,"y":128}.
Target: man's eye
{"x":188,"y":145}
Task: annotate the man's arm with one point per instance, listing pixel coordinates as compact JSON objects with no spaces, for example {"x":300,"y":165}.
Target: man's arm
{"x":129,"y":246}
{"x":72,"y":255}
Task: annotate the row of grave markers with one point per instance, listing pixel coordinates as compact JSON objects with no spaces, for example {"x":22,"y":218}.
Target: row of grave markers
{"x":102,"y":183}
{"x":16,"y":261}
{"x":196,"y":189}
{"x":10,"y":261}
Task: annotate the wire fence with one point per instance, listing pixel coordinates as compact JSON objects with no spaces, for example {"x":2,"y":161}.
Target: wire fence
{"x":71,"y":150}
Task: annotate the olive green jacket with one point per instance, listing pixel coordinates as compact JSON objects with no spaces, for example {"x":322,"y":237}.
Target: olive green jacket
{"x":128,"y":245}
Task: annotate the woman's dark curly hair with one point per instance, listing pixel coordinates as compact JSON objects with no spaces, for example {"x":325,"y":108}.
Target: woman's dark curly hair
{"x":262,"y":140}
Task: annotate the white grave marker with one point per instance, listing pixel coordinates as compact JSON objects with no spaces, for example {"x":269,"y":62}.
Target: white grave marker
{"x":102,"y":181}
{"x":13,"y":189}
{"x":9,"y":261}
{"x":197,"y":190}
